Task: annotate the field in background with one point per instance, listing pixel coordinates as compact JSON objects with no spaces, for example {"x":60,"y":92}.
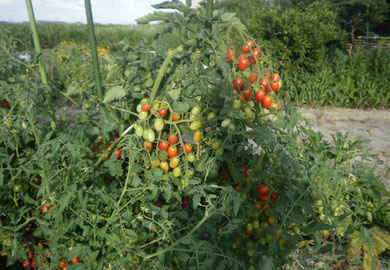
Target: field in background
{"x":52,"y":34}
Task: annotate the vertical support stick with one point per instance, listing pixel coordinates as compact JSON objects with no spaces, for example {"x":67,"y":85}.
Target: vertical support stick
{"x":41,"y":64}
{"x":209,"y":23}
{"x":92,"y":40}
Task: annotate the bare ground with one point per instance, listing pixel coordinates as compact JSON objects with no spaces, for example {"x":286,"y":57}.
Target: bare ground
{"x":373,"y":125}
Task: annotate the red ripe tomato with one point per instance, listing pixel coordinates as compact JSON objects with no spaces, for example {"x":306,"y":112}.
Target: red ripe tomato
{"x":148,"y":145}
{"x":247,"y":94}
{"x":118,"y":153}
{"x":184,"y":203}
{"x":115,"y":138}
{"x":176,"y":116}
{"x":253,"y":77}
{"x":245,"y":48}
{"x":264,"y":84}
{"x":163,"y":145}
{"x":75,"y":260}
{"x":267,"y":101}
{"x":34,"y":263}
{"x":267,"y":76}
{"x":236,"y":187}
{"x":275,"y":77}
{"x":145,"y":107}
{"x":274,"y":86}
{"x":26,"y":263}
{"x":249,"y":43}
{"x":243,"y":63}
{"x":136,"y":211}
{"x":252,"y":59}
{"x":172,"y":139}
{"x":116,"y":132}
{"x":263,"y":189}
{"x":230,"y":54}
{"x":172,"y":151}
{"x":30,"y":255}
{"x":256,"y":52}
{"x":5,"y":103}
{"x":244,"y":172}
{"x":259,"y":96}
{"x":238,"y":83}
{"x":45,"y":208}
{"x":187,"y":148}
{"x":63,"y":264}
{"x":162,"y":112}
{"x":274,"y":195}
{"x":160,"y":203}
{"x":263,"y":198}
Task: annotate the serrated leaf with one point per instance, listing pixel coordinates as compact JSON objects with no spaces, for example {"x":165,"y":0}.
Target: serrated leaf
{"x":73,"y":90}
{"x":196,"y":201}
{"x":155,"y":16}
{"x":180,"y":107}
{"x":174,"y":94}
{"x":172,"y":5}
{"x":115,"y":93}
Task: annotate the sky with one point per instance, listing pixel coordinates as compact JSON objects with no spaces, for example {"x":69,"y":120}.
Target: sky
{"x":104,"y":11}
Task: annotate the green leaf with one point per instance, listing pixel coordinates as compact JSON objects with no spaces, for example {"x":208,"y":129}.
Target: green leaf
{"x":188,"y":3}
{"x":236,"y":204}
{"x":115,"y":93}
{"x":155,"y":16}
{"x":180,"y":107}
{"x":172,"y":5}
{"x":316,"y":227}
{"x":325,"y":249}
{"x":195,"y":201}
{"x":174,"y":94}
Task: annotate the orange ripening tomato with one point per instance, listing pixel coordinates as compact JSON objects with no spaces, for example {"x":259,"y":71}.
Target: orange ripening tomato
{"x":275,"y":106}
{"x":259,"y":96}
{"x":162,"y":112}
{"x":148,"y":145}
{"x":172,"y":151}
{"x":275,"y":77}
{"x":187,"y":148}
{"x":247,"y":94}
{"x":176,"y":116}
{"x":275,"y":86}
{"x":118,"y":153}
{"x":253,"y":77}
{"x":267,"y":101}
{"x":145,"y":107}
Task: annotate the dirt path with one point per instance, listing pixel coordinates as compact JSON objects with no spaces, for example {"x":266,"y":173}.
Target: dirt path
{"x":373,"y":125}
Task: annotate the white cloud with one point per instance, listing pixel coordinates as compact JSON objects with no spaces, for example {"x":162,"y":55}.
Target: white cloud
{"x":104,"y":11}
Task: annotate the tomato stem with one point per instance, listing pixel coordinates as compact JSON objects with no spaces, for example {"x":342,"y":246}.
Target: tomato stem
{"x":163,"y":70}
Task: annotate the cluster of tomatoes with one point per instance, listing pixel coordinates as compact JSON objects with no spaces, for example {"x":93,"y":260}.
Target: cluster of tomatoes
{"x":162,"y":137}
{"x":256,"y":88}
{"x":31,"y":261}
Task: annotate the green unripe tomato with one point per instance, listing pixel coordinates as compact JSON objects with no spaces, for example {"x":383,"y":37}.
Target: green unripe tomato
{"x":250,"y":252}
{"x":196,"y":110}
{"x":139,"y":107}
{"x":139,"y":131}
{"x":190,"y":173}
{"x":248,"y":112}
{"x":219,"y":151}
{"x":156,"y":106}
{"x":177,"y":172}
{"x":17,"y":188}
{"x":250,"y":245}
{"x":144,"y":100}
{"x":195,"y":125}
{"x":191,"y":157}
{"x":149,"y":135}
{"x":159,"y":124}
{"x":217,"y":144}
{"x":251,"y":103}
{"x":231,"y":127}
{"x":226,"y":122}
{"x":236,"y":104}
{"x":256,"y":224}
{"x":211,"y":115}
{"x":142,"y":115}
{"x":26,"y":187}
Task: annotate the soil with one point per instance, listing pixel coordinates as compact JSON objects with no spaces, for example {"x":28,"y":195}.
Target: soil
{"x":373,"y":125}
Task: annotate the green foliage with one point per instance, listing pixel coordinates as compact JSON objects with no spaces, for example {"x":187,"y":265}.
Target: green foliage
{"x":123,"y":211}
{"x":360,"y":80}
